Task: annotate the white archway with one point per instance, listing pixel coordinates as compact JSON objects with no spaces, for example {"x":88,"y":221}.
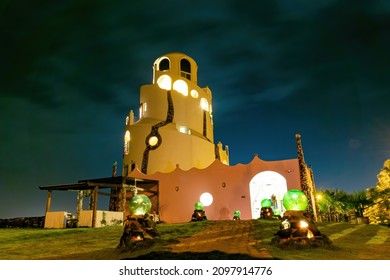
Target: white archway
{"x":264,"y":185}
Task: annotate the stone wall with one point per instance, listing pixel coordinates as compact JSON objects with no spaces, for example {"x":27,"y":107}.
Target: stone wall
{"x":23,"y":222}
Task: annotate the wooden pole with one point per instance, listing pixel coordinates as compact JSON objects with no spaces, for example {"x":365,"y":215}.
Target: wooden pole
{"x":95,"y":200}
{"x":48,"y":201}
{"x":124,"y":198}
{"x":79,"y":205}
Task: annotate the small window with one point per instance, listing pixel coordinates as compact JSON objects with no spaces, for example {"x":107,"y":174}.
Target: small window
{"x":183,"y":129}
{"x":185,"y":65}
{"x":164,"y":64}
{"x":185,"y":68}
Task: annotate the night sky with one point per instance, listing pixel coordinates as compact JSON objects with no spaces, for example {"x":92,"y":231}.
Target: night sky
{"x":70,"y":71}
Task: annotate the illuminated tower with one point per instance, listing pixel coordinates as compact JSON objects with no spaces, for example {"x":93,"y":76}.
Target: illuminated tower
{"x":175,"y":122}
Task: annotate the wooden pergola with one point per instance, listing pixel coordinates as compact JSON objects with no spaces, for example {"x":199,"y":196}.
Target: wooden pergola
{"x":118,"y":186}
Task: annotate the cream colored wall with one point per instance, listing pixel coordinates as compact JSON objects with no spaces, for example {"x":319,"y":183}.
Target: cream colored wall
{"x":110,"y":217}
{"x":55,"y":220}
{"x":85,"y":218}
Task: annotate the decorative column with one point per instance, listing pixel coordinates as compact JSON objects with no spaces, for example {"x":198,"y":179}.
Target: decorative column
{"x":113,"y":206}
{"x":305,"y":178}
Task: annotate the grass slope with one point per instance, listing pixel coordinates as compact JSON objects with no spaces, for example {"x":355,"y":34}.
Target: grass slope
{"x":351,"y":242}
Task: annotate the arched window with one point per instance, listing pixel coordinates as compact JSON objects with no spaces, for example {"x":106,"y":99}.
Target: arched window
{"x":127,"y":143}
{"x":185,"y":68}
{"x":181,"y":86}
{"x":165,"y":82}
{"x":204,"y":104}
{"x":164,"y":64}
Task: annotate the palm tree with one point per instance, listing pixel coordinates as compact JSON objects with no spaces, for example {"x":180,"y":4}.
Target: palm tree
{"x":332,"y":203}
{"x":359,"y":200}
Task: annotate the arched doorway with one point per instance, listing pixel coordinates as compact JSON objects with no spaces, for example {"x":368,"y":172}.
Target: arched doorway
{"x":265,"y":185}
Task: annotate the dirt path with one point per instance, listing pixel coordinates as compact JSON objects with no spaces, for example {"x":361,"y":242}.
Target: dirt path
{"x":231,"y":237}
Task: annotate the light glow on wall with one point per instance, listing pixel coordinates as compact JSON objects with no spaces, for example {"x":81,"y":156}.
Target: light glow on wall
{"x":165,"y":82}
{"x":206,"y":199}
{"x":181,"y":86}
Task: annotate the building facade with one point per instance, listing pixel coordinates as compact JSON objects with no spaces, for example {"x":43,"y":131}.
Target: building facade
{"x":172,"y":141}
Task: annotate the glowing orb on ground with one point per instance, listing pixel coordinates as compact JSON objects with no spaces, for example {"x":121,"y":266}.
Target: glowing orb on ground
{"x":295,"y":200}
{"x":140,"y":204}
{"x":198,"y":206}
{"x":266,"y":202}
{"x":206,"y":199}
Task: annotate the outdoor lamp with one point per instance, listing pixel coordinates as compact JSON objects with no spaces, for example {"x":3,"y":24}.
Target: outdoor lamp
{"x":198,"y":206}
{"x":266,"y":203}
{"x":295,"y":200}
{"x":140,"y":204}
{"x":236,"y":215}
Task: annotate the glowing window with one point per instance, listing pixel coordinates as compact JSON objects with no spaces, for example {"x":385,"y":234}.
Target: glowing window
{"x":164,"y":64}
{"x":194,"y":93}
{"x":127,"y":120}
{"x":181,"y":86}
{"x":206,"y":199}
{"x":153,"y":141}
{"x":127,"y":143}
{"x":204,"y":104}
{"x":165,"y":82}
{"x":184,"y":129}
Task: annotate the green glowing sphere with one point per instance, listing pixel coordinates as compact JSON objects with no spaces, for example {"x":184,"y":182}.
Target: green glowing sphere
{"x":198,"y":206}
{"x":140,"y":204}
{"x":295,"y":200}
{"x":237,"y":213}
{"x":266,"y":202}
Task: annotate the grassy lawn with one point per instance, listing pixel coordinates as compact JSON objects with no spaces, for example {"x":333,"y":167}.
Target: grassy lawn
{"x":82,"y":243}
{"x":350,"y":241}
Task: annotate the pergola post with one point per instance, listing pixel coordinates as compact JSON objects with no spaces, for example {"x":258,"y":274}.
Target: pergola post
{"x":48,"y":201}
{"x":124,"y":198}
{"x":95,"y":200}
{"x":79,"y":205}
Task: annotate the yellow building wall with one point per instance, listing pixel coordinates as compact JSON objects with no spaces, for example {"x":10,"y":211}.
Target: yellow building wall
{"x":195,"y":147}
